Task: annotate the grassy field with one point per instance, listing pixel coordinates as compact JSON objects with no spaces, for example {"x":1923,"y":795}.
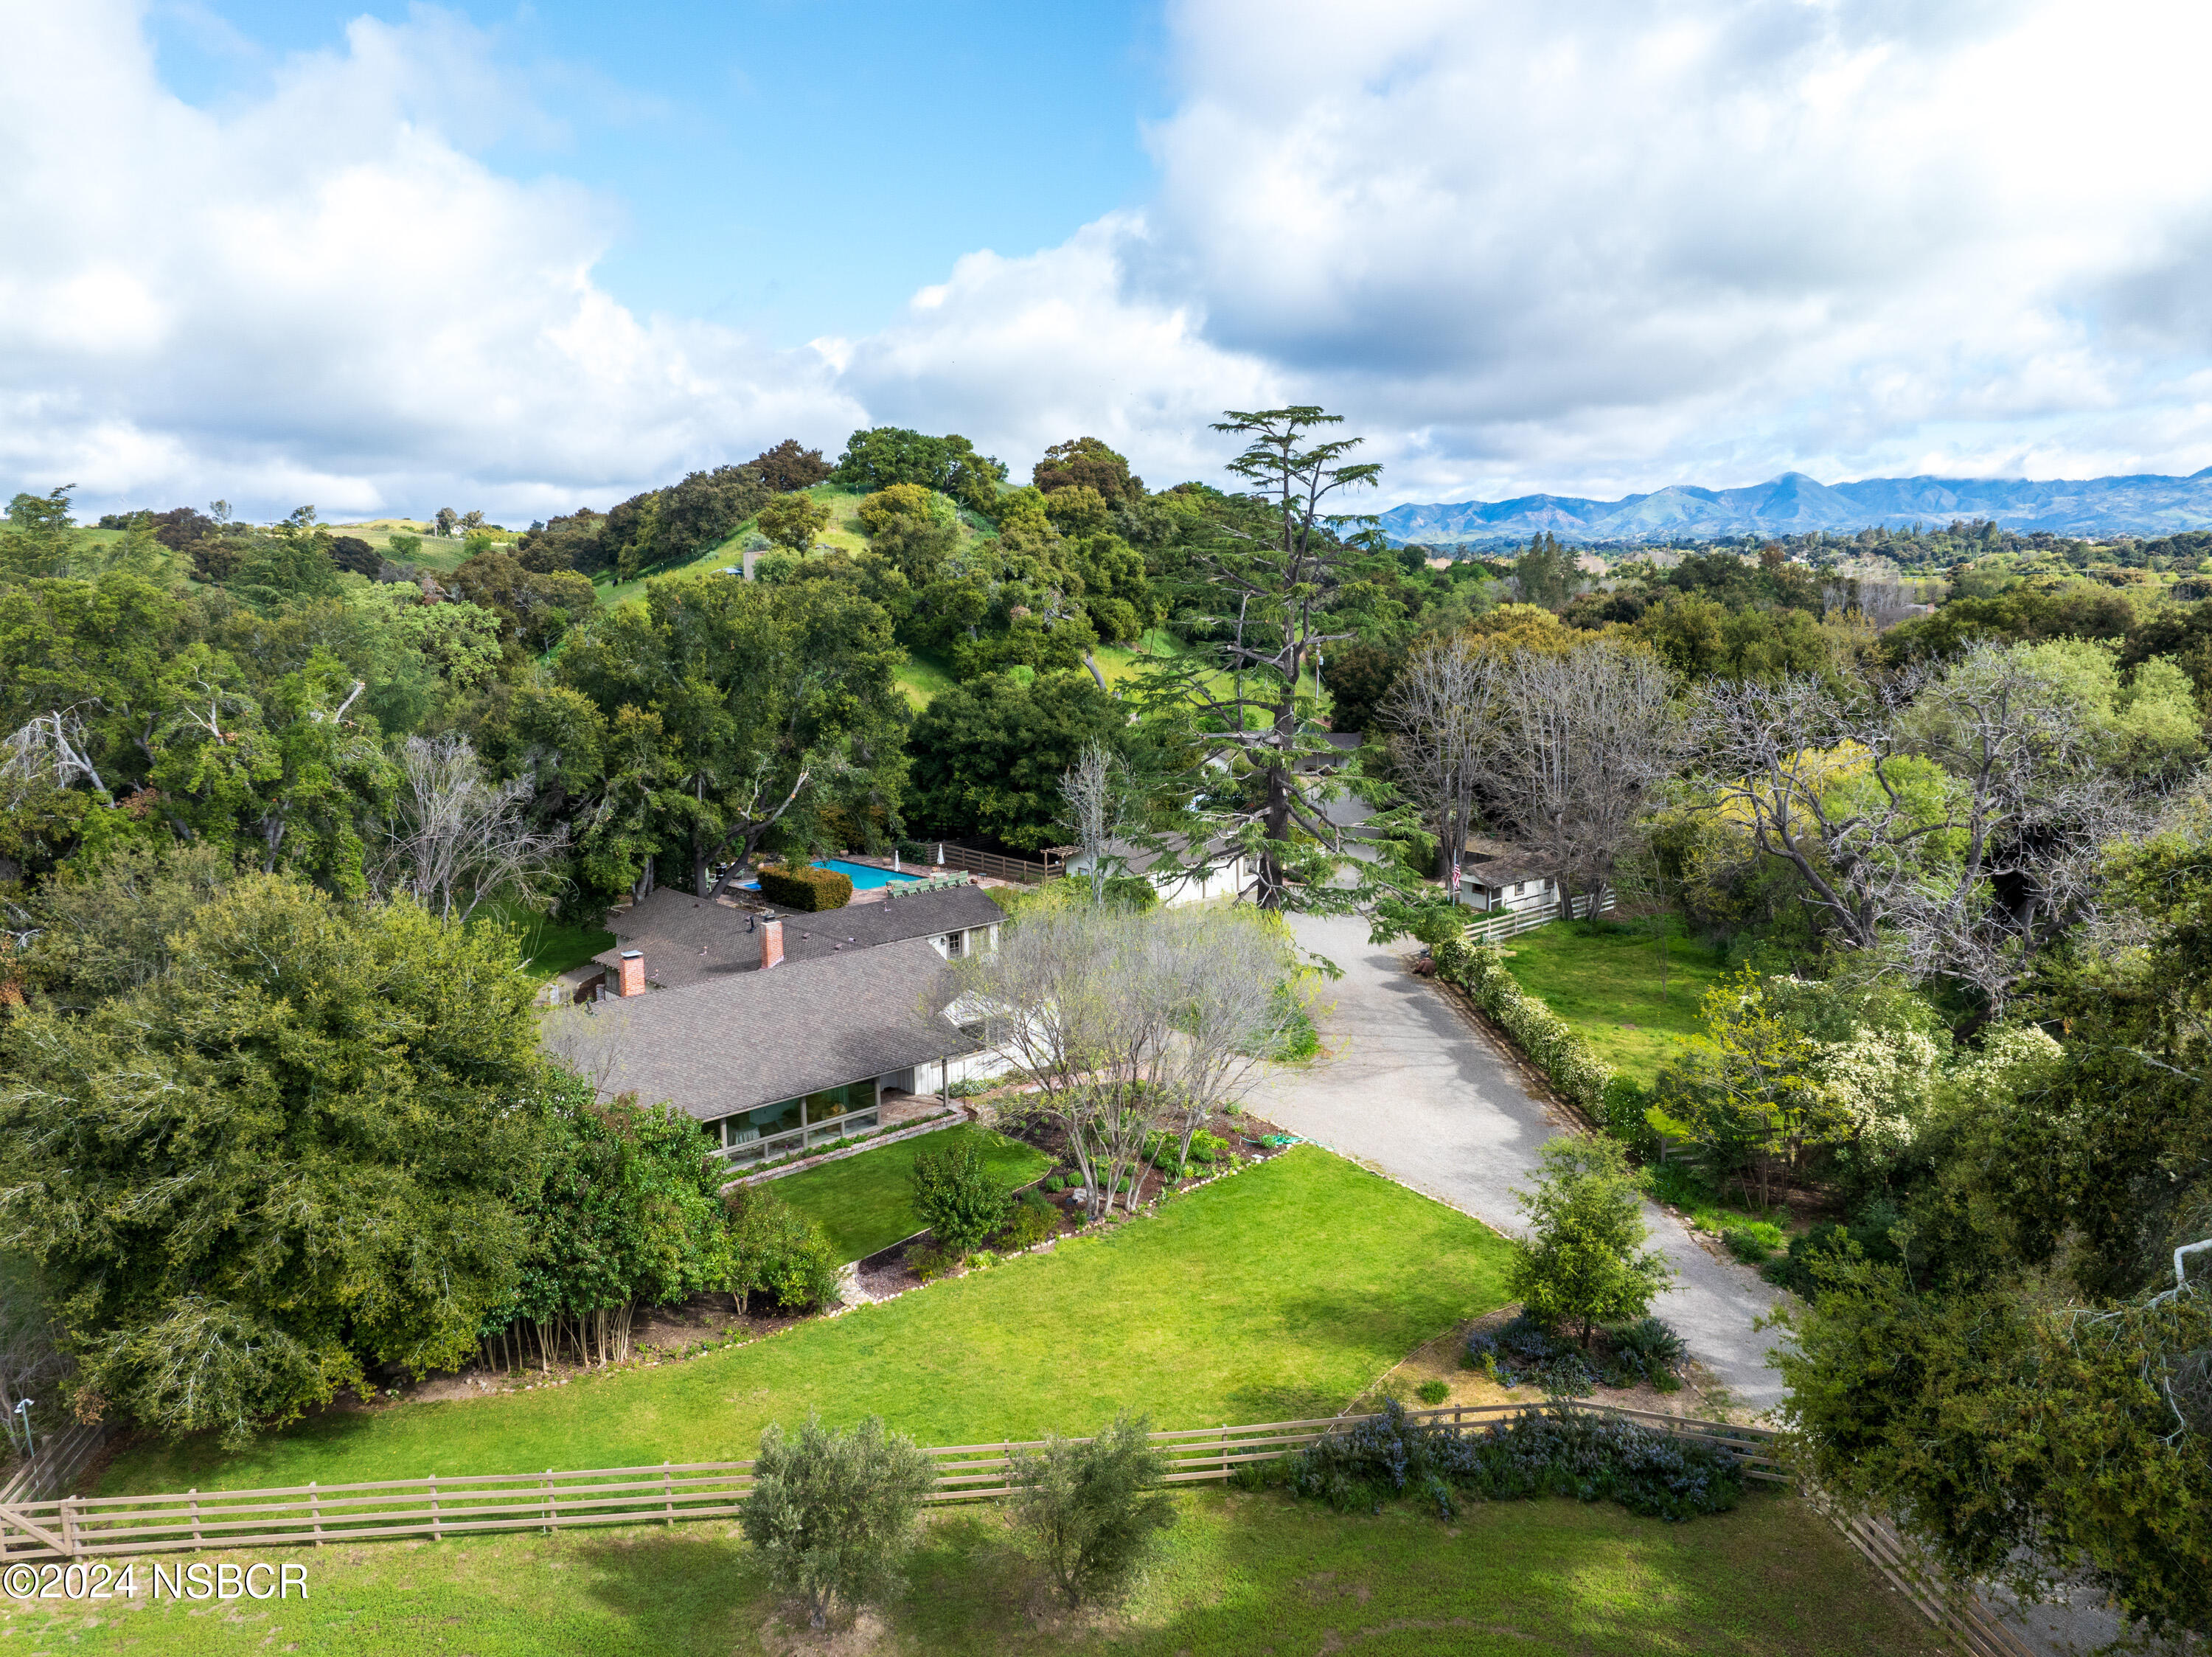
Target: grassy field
{"x":1603,"y":977}
{"x":1281,"y":1292}
{"x":924,"y":678}
{"x":549,"y":947}
{"x":865,"y":1202}
{"x":1238,"y":1573}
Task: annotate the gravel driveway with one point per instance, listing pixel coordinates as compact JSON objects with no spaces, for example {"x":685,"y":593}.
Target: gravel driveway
{"x":1417,"y":1093}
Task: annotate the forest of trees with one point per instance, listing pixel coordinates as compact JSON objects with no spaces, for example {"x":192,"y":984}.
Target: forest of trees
{"x":1941,"y":798}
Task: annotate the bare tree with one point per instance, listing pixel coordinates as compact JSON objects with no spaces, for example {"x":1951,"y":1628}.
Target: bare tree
{"x":1228,"y":978}
{"x":1092,"y":793}
{"x":49,"y":751}
{"x":1573,"y":744}
{"x":1130,"y":1024}
{"x":1437,"y":716}
{"x":454,"y":836}
{"x":1959,"y":809}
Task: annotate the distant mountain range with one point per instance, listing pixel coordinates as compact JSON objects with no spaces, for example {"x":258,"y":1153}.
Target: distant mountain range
{"x":1794,"y":503}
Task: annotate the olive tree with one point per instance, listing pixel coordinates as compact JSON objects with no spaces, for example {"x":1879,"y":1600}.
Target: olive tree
{"x":833,"y":1513}
{"x":1093,"y":1507}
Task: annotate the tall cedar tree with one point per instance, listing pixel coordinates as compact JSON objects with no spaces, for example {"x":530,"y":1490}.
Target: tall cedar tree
{"x":1263,"y":763}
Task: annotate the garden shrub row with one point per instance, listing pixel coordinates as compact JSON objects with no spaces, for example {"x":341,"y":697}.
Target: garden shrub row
{"x":806,"y":889}
{"x":1559,"y":1049}
{"x":1556,"y":1452}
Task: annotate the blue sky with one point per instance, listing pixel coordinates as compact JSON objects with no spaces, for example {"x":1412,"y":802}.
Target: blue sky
{"x":794,"y":169}
{"x":525,"y":259}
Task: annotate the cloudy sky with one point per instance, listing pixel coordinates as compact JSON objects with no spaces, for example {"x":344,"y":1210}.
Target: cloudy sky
{"x":387,"y":261}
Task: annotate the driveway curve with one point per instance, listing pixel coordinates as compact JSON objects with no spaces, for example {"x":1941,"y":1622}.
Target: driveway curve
{"x":1412,"y":1088}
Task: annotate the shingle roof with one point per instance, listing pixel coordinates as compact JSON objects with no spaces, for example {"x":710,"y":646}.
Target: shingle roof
{"x":688,"y":941}
{"x":736,"y":1040}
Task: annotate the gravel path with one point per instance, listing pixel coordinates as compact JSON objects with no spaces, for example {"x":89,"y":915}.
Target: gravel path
{"x":1419,"y":1092}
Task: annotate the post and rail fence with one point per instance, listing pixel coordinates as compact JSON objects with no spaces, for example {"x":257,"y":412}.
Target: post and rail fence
{"x":1504,"y":924}
{"x":445,"y":1505}
{"x":39,"y":1520}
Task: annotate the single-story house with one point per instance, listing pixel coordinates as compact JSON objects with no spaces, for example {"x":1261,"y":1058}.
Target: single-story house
{"x":1501,"y":884}
{"x":1224,"y":876}
{"x":780,"y":1030}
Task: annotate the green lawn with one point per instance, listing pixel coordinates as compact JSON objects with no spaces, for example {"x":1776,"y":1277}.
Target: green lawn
{"x":1602,"y":977}
{"x":1281,"y":1292}
{"x":864,"y":1202}
{"x":549,"y":947}
{"x":1238,"y":1573}
{"x":924,"y":678}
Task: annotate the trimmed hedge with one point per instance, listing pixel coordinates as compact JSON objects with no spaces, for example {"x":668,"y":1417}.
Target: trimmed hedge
{"x":1556,"y":1047}
{"x":805,"y":888}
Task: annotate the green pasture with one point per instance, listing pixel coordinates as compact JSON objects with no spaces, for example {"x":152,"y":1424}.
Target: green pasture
{"x":1605,"y":979}
{"x":1280,"y":1292}
{"x":1238,"y":1574}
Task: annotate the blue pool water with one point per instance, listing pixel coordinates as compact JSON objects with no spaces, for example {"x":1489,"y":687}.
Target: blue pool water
{"x":864,"y":877}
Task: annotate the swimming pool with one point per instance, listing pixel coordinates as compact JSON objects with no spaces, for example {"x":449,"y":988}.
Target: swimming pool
{"x":864,"y":877}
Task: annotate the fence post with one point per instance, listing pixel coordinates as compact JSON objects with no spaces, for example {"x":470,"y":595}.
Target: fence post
{"x":195,"y":1494}
{"x":315,"y":1510}
{"x":69,"y":1527}
{"x":1224,"y":1453}
{"x":552,"y":1507}
{"x":437,"y":1529}
{"x":667,"y":1496}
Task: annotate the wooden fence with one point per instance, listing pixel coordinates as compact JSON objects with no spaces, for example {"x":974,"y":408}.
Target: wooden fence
{"x":990,"y":862}
{"x":1511,"y":923}
{"x":37,"y":1522}
{"x":74,"y":1526}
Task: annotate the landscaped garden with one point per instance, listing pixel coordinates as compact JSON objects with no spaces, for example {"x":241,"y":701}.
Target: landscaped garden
{"x":1285,"y":1290}
{"x":865,"y":1202}
{"x":1239,"y":1573}
{"x":1606,"y":978}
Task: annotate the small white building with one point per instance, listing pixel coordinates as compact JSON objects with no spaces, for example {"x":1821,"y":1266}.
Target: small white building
{"x":1225,"y":876}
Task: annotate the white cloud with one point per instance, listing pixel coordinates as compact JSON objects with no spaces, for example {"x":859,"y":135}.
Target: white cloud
{"x":1586,"y":245}
{"x":320,"y":295}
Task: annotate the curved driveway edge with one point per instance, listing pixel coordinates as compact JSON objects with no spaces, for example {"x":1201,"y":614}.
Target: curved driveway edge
{"x":1409,"y":1088}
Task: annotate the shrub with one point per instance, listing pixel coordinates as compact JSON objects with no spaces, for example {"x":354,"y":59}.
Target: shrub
{"x":776,"y":1250}
{"x":805,"y":888}
{"x":1527,"y":1350}
{"x":926,"y":1261}
{"x":1623,"y":1111}
{"x":1583,"y":1260}
{"x":1753,"y":1242}
{"x":1647,"y":1349}
{"x":956,"y":1196}
{"x":1092,"y":1510}
{"x":832,"y":1514}
{"x":1556,"y":1047}
{"x":1029,"y":1225}
{"x":1553,"y":1453}
{"x":1432,"y":1392}
{"x":1205,"y":1148}
{"x":1054,"y":1184}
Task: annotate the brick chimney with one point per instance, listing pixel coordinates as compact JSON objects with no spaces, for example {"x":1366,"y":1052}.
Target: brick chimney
{"x":632,"y":980}
{"x":771,"y":943}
